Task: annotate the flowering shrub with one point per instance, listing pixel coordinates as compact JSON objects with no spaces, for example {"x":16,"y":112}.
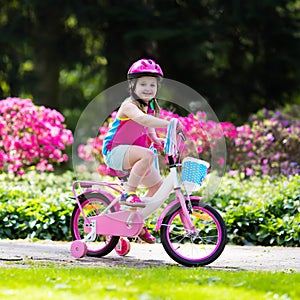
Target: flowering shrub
{"x":31,"y":136}
{"x":268,"y":145}
{"x":261,"y":211}
{"x":201,"y":135}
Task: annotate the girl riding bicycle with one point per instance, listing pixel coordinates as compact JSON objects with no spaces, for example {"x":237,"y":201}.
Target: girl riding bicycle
{"x":125,"y":146}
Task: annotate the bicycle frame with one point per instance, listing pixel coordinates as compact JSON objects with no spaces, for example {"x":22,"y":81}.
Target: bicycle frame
{"x":171,"y":183}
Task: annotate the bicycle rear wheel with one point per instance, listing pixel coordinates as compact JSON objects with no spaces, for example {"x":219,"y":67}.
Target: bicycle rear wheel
{"x":194,"y":249}
{"x":92,"y":204}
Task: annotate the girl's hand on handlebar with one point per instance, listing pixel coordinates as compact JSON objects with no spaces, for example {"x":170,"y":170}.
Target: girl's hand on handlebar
{"x":159,"y":141}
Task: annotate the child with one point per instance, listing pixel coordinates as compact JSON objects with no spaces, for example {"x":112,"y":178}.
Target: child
{"x":125,"y":145}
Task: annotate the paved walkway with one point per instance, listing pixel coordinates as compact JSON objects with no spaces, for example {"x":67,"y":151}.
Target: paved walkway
{"x":25,"y":253}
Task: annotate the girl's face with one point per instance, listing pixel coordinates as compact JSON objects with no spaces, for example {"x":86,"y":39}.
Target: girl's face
{"x":146,"y":88}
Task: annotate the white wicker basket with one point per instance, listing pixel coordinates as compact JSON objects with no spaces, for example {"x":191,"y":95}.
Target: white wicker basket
{"x":193,"y":172}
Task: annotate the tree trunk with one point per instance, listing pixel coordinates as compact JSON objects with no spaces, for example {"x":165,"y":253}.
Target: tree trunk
{"x":47,"y":72}
{"x":47,"y":58}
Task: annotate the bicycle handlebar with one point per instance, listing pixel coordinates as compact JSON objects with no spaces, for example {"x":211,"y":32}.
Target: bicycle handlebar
{"x":171,"y":138}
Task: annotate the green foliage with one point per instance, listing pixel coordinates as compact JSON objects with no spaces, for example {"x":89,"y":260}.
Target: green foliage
{"x":261,"y":211}
{"x":62,"y":54}
{"x":35,"y":206}
{"x":257,"y":211}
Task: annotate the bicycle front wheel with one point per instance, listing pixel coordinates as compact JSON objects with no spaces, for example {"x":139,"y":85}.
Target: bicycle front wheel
{"x":92,"y":204}
{"x":198,"y":248}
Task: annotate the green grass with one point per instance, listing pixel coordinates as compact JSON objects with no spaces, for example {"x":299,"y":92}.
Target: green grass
{"x":148,"y":283}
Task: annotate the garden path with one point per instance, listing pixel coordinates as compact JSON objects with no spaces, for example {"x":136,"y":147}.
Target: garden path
{"x":23,"y":253}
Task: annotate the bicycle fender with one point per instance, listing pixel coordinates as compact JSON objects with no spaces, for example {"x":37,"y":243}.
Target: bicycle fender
{"x":164,"y":213}
{"x":167,"y":209}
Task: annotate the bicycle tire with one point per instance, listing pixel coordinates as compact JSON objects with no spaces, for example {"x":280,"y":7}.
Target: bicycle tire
{"x":90,"y":204}
{"x":194,"y":250}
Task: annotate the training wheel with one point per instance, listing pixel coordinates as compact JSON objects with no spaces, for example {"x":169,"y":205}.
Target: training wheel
{"x":123,"y":247}
{"x":78,"y":249}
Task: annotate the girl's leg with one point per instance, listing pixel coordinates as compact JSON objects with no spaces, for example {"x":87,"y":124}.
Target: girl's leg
{"x":139,"y":160}
{"x":152,"y":181}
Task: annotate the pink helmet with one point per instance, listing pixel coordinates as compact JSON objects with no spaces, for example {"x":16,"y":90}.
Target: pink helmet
{"x":144,"y":67}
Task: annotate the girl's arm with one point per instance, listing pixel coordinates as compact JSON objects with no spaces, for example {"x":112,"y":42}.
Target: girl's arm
{"x":129,"y":110}
{"x":154,"y":138}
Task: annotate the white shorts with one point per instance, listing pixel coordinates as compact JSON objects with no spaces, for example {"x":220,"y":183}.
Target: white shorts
{"x":114,"y":158}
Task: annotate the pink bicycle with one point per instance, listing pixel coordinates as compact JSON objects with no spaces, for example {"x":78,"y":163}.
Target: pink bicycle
{"x":191,"y":232}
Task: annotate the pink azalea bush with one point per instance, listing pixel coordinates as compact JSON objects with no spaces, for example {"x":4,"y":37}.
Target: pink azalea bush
{"x":199,"y":132}
{"x":269,"y":144}
{"x":31,"y":136}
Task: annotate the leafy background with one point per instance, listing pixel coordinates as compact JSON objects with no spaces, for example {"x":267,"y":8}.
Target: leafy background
{"x":239,"y":55}
{"x":257,"y":211}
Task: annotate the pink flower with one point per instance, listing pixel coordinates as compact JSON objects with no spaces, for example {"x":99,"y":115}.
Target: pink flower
{"x":233,"y":172}
{"x":265,"y":161}
{"x":250,"y":154}
{"x":270,"y":137}
{"x":199,"y":149}
{"x":221,"y":161}
{"x":102,"y":169}
{"x":249,"y":172}
{"x":229,"y":129}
